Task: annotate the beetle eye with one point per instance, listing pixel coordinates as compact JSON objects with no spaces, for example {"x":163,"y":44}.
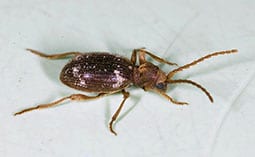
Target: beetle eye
{"x":161,"y":86}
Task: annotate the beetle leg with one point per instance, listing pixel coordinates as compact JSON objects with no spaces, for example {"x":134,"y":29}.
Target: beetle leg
{"x":78,"y":97}
{"x":194,"y":84}
{"x":170,"y":98}
{"x":54,"y":56}
{"x":142,"y":59}
{"x":134,"y":55}
{"x":116,"y":114}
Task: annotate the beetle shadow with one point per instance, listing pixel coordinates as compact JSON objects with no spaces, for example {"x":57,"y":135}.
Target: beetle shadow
{"x":121,"y":116}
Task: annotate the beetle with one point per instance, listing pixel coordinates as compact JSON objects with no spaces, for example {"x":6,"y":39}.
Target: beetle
{"x":105,"y":74}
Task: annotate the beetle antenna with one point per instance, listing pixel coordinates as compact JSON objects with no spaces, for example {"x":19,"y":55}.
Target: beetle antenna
{"x":172,"y":73}
{"x":194,"y":84}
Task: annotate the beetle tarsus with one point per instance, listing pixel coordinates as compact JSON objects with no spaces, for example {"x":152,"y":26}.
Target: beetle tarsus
{"x":111,"y":129}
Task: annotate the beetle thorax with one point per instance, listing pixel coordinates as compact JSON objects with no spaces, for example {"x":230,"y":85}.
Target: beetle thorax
{"x":148,"y":76}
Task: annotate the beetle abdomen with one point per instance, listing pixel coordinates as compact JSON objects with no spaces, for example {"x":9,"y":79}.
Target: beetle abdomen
{"x":97,"y":72}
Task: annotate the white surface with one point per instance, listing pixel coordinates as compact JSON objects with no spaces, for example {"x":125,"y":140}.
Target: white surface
{"x":179,"y":30}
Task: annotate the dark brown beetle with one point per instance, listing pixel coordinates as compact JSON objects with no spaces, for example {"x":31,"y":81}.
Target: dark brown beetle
{"x":105,"y":74}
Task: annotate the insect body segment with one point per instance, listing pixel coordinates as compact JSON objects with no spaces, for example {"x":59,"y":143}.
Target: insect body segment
{"x":105,"y":74}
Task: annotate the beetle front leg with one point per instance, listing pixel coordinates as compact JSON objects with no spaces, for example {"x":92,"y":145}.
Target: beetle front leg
{"x":116,"y":114}
{"x":77,"y":97}
{"x":54,"y":56}
{"x":170,"y":98}
{"x":142,"y":59}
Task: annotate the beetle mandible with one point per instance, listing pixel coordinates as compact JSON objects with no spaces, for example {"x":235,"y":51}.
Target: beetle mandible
{"x":105,"y":74}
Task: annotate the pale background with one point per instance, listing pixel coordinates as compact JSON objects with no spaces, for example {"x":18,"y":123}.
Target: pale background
{"x":178,"y":30}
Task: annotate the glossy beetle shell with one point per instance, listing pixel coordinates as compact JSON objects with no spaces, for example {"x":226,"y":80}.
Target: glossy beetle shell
{"x":97,"y":72}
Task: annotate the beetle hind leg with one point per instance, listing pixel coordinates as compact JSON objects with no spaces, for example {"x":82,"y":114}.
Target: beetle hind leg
{"x":54,"y":56}
{"x":77,"y":97}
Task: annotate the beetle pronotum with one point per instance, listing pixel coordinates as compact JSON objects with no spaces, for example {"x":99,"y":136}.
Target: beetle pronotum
{"x":105,"y":74}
